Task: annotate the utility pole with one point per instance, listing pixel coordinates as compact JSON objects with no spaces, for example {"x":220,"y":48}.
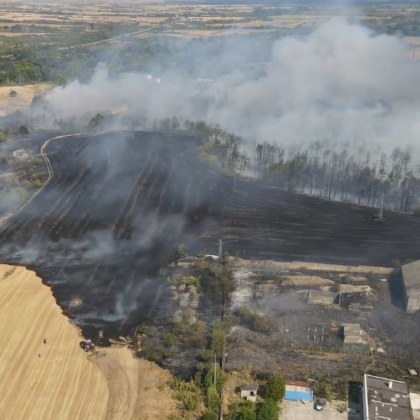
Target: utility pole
{"x":381,"y":208}
{"x":220,"y":251}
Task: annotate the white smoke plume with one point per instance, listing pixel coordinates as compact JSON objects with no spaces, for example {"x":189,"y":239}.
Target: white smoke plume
{"x":342,"y":84}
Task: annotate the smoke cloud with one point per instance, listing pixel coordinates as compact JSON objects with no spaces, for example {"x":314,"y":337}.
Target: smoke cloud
{"x":342,"y":84}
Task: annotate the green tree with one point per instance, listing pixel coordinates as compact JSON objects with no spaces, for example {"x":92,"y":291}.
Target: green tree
{"x":26,"y":72}
{"x":209,"y":378}
{"x":213,"y":399}
{"x":275,"y":388}
{"x":268,"y":410}
{"x":218,"y":339}
{"x":243,"y":410}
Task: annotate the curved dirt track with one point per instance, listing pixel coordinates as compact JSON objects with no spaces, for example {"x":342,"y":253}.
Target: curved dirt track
{"x":56,"y":379}
{"x":134,"y":387}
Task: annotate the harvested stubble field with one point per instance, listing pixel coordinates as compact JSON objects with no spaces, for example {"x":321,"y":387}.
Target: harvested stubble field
{"x":24,"y":97}
{"x":45,"y":375}
{"x":117,"y":205}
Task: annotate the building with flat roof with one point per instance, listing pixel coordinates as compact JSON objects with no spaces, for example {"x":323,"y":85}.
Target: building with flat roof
{"x":298,"y":391}
{"x":249,"y":392}
{"x":411,"y":282}
{"x":385,"y":399}
{"x":354,"y":336}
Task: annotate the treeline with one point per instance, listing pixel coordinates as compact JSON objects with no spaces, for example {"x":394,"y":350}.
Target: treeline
{"x":320,"y":170}
{"x":62,"y":57}
{"x":342,"y":175}
{"x":18,"y":64}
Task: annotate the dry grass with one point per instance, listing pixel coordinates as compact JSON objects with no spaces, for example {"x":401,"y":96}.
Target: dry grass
{"x":233,"y":380}
{"x":43,"y":381}
{"x":298,"y":265}
{"x":25,"y":94}
{"x":56,"y":379}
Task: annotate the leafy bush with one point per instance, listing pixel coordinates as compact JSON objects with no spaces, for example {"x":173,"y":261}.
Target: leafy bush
{"x":168,"y":339}
{"x":209,"y":415}
{"x":213,"y":399}
{"x":254,"y":321}
{"x":268,"y":410}
{"x":323,"y":389}
{"x":243,"y":410}
{"x":186,"y":393}
{"x":197,"y":337}
{"x":178,"y":280}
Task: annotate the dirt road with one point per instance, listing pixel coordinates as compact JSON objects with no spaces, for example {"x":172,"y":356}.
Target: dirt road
{"x":45,"y":375}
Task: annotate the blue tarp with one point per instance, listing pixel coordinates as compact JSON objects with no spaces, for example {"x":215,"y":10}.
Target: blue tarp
{"x":299,"y":396}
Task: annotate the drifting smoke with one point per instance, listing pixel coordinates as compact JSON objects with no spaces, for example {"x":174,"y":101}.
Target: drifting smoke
{"x":341,"y":84}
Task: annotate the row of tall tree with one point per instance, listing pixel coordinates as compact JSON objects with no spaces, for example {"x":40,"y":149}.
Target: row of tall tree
{"x":342,"y":175}
{"x":335,"y":173}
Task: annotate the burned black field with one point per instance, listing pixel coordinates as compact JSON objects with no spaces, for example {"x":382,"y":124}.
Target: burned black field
{"x":118,"y":205}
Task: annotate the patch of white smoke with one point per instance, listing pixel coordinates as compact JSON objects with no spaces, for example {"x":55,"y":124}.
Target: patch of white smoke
{"x":342,"y":83}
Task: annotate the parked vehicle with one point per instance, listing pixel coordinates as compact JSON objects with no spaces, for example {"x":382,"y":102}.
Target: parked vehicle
{"x":87,"y":345}
{"x":319,"y":405}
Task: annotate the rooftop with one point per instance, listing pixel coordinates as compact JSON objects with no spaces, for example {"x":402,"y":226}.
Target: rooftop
{"x":386,"y":399}
{"x":249,"y":387}
{"x":323,"y":298}
{"x":353,"y":334}
{"x":411,"y":277}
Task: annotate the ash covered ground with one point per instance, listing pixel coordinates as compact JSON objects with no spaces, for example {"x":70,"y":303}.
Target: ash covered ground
{"x":119,"y":204}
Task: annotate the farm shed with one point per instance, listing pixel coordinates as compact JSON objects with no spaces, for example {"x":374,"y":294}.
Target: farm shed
{"x":411,"y":285}
{"x":319,"y":297}
{"x":298,"y":391}
{"x":385,"y":399}
{"x":249,"y":392}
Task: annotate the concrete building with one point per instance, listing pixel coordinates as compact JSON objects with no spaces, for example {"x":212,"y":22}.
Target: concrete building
{"x":385,"y":399}
{"x":249,"y":392}
{"x":354,"y":336}
{"x":411,"y":282}
{"x":298,"y":391}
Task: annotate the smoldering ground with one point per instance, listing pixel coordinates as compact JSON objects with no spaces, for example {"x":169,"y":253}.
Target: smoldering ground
{"x":342,"y":84}
{"x":117,"y":207}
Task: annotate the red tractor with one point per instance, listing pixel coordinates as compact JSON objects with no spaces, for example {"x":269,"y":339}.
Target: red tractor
{"x":87,"y":345}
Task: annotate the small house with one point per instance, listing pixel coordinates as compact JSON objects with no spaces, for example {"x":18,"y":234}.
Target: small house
{"x":249,"y":392}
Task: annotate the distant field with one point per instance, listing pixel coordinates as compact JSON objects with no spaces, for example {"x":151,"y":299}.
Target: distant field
{"x":56,"y":42}
{"x":23,"y":18}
